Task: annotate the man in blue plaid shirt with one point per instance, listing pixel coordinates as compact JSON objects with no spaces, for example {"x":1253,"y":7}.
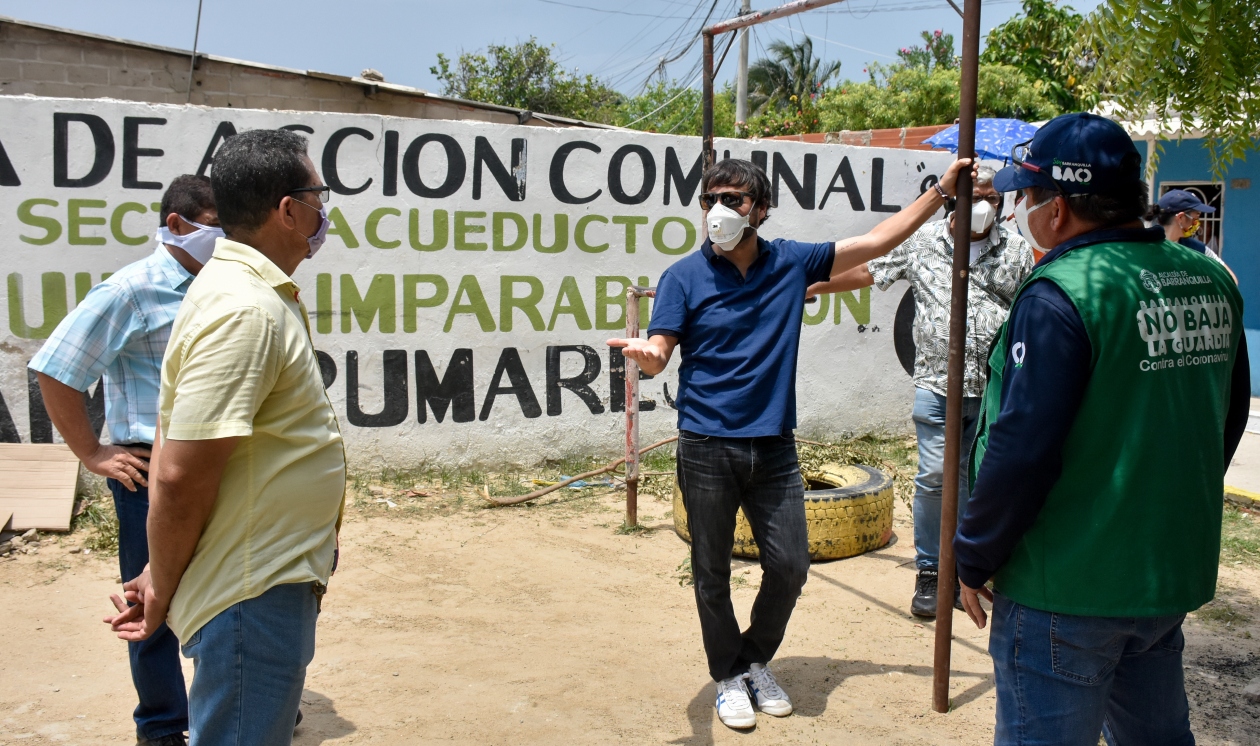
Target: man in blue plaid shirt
{"x":119,"y":333}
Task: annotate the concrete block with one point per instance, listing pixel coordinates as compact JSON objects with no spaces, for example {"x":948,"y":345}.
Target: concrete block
{"x":88,"y":74}
{"x":337,"y":105}
{"x":58,"y":90}
{"x":10,"y":70}
{"x":244,"y":84}
{"x":212,"y":98}
{"x":265,"y":102}
{"x":129,"y":78}
{"x":64,"y":52}
{"x":105,"y":56}
{"x":44,"y":72}
{"x":21,"y":50}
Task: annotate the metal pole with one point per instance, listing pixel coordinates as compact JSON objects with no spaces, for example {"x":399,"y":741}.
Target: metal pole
{"x":744,"y":20}
{"x":706,"y":132}
{"x":957,"y":356}
{"x":761,"y":16}
{"x":741,"y":76}
{"x":192,"y":63}
{"x":633,"y":294}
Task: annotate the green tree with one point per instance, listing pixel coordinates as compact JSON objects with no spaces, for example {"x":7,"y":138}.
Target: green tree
{"x":525,"y":76}
{"x":791,"y":73}
{"x":913,"y":96}
{"x":937,"y":52}
{"x":1042,"y":42}
{"x":1194,"y":59}
{"x":672,"y":108}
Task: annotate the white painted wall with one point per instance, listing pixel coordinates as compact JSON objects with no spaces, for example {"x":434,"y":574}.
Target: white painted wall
{"x":849,"y":379}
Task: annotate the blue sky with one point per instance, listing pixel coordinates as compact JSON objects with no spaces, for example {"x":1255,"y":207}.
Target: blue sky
{"x":621,"y":42}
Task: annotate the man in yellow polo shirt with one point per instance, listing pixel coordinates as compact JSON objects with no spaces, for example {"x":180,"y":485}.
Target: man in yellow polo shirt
{"x":250,"y":475}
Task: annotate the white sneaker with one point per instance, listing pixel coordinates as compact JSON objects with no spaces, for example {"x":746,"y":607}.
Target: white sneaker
{"x":771,"y":699}
{"x":734,"y":708}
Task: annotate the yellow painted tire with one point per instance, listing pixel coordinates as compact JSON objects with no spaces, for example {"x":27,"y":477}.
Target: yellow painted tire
{"x":848,"y":511}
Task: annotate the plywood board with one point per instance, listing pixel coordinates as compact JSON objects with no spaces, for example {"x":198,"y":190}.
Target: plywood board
{"x":37,"y":483}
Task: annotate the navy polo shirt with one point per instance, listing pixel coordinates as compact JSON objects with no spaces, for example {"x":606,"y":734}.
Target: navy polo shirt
{"x":738,"y":336}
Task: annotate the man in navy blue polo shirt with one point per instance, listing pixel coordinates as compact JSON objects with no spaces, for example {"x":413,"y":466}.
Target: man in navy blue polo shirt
{"x":735,"y":310}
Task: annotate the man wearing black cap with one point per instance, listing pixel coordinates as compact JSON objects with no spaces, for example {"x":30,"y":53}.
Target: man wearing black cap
{"x":1098,"y":525}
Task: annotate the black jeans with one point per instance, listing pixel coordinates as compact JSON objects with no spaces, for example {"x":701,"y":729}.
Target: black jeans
{"x":717,"y":476}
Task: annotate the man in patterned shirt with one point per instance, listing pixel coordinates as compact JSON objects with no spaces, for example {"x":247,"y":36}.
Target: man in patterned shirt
{"x":1000,"y":260}
{"x":119,"y":332}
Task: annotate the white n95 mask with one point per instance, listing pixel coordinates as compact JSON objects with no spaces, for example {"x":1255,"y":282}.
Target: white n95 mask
{"x":199,"y":244}
{"x":726,"y":227}
{"x":983,"y":214}
{"x":1022,"y":211}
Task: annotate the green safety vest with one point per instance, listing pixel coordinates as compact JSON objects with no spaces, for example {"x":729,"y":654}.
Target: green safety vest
{"x":1133,"y":525}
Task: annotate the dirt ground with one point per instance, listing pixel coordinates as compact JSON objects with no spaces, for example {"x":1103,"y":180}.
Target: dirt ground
{"x":546,"y":624}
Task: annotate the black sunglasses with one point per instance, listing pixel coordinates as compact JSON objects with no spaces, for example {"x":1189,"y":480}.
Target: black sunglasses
{"x":733,"y":200}
{"x":323,"y":192}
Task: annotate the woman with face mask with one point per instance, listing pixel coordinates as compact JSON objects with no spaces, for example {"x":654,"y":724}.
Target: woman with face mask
{"x":1180,"y":214}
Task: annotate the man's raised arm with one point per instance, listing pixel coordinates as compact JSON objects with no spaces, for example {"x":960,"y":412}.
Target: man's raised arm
{"x":890,"y":234}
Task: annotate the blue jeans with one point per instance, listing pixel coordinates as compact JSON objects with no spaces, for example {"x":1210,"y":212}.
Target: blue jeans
{"x":929,"y":425}
{"x":155,"y":666}
{"x":1063,"y":679}
{"x":250,"y":666}
{"x":717,"y":476}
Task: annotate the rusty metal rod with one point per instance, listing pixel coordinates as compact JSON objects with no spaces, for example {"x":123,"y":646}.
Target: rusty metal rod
{"x":722,"y":27}
{"x":611,"y":466}
{"x":761,"y":16}
{"x":957,"y":358}
{"x":633,"y":294}
{"x":706,"y":129}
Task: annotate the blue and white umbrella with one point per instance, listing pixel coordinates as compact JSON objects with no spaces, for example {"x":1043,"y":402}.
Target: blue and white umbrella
{"x":994,"y":137}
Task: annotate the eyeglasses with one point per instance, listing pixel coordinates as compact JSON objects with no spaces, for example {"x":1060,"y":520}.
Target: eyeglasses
{"x":733,"y":200}
{"x":323,"y":192}
{"x":1020,"y":154}
{"x":993,"y":199}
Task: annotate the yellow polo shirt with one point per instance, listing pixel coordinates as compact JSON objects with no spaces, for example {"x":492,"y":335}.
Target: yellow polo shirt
{"x":240,"y":362}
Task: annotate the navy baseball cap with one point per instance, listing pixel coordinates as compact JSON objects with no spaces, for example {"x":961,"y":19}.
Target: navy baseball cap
{"x":1075,"y":154}
{"x":1179,"y":200}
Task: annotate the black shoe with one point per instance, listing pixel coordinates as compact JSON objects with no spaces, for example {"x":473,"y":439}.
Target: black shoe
{"x":174,"y":739}
{"x":299,"y":720}
{"x":958,"y":595}
{"x":924,"y":602}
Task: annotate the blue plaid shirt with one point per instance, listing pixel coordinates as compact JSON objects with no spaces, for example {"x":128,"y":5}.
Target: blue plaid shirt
{"x":120,"y":331}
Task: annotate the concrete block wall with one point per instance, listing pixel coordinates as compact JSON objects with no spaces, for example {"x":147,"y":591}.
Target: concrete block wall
{"x":49,"y":62}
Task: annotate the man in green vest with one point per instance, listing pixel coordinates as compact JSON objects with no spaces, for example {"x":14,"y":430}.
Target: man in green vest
{"x":1118,"y":391}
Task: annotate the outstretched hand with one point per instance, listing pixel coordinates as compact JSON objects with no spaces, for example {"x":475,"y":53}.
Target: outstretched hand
{"x":949,"y":181}
{"x":140,"y":620}
{"x":650,"y":354}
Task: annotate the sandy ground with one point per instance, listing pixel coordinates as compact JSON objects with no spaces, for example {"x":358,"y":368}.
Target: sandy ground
{"x":546,"y":625}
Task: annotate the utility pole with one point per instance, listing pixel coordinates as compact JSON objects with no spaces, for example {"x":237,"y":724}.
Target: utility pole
{"x":741,"y":79}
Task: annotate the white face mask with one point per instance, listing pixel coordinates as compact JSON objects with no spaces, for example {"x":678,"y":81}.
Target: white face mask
{"x":1022,"y":211}
{"x":982,"y":215}
{"x":199,"y":244}
{"x":726,"y":227}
